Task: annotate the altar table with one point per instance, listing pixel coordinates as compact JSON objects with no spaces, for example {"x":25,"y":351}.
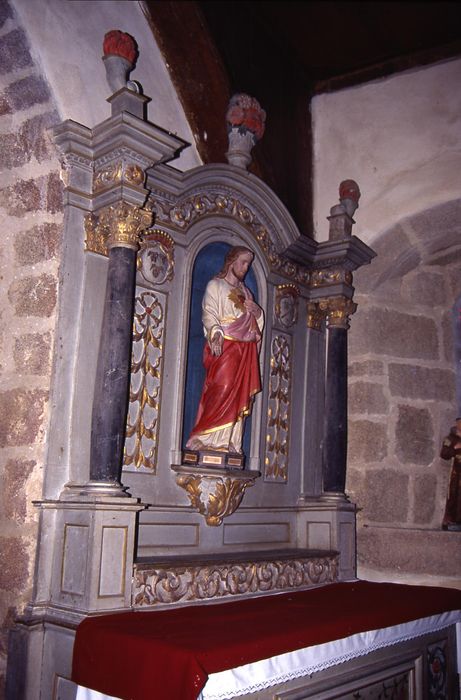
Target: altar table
{"x":171,"y":653}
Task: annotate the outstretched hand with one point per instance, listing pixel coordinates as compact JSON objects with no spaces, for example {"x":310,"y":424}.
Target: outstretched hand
{"x":216,"y":344}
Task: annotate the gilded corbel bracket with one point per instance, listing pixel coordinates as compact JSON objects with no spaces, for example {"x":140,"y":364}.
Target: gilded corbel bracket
{"x":119,"y":225}
{"x":216,"y":494}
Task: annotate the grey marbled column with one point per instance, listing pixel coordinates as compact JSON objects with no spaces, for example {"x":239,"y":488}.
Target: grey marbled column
{"x":335,"y":431}
{"x":113,"y":370}
{"x":124,"y":223}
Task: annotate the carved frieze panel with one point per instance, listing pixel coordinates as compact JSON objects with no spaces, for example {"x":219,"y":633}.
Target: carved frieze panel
{"x":119,"y":166}
{"x":141,"y":443}
{"x":330,"y":276}
{"x":116,"y":172}
{"x":278,"y":410}
{"x":157,"y":585}
{"x":182,"y":214}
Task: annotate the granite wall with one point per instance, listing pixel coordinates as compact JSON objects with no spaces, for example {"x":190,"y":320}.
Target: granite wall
{"x":402,"y":399}
{"x":398,"y":137}
{"x":50,"y":70}
{"x":31,"y":213}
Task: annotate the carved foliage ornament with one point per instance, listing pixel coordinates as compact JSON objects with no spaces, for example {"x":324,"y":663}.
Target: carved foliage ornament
{"x":157,"y":585}
{"x":115,"y":173}
{"x":214,"y":497}
{"x":278,"y":412}
{"x":183,"y":214}
{"x":116,"y":225}
{"x":337,"y":311}
{"x":146,"y":377}
{"x":315,"y":315}
{"x":324,"y":278}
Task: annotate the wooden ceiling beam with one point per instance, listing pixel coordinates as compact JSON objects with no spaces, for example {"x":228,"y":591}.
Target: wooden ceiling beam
{"x":196,"y":70}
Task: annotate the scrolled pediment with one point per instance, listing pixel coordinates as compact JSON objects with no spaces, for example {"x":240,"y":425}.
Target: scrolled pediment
{"x":222,"y":191}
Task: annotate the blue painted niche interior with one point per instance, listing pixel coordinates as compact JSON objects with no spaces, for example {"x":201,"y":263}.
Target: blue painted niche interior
{"x":208,"y":263}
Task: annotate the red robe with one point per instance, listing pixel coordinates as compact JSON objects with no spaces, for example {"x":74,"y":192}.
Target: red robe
{"x":232,"y":378}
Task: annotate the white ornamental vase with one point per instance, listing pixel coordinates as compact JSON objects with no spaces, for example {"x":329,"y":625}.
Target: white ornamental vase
{"x":240,"y":146}
{"x":117,"y":70}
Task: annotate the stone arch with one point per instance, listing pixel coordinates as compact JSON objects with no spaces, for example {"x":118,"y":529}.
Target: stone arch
{"x":402,"y":393}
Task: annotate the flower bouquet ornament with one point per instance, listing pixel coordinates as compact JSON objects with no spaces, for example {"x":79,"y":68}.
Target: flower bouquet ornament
{"x":245,"y":121}
{"x":120,"y":54}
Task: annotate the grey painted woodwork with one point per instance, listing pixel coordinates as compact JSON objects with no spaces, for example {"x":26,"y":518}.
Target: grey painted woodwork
{"x":86,"y":549}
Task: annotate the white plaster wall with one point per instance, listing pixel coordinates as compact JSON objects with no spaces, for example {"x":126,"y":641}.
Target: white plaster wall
{"x":66,"y":38}
{"x":399,"y":138}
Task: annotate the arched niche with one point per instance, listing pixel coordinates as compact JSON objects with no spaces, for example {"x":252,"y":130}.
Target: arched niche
{"x":208,"y":262}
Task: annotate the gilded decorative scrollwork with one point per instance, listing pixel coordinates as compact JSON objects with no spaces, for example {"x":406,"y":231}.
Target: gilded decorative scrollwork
{"x":115,"y":173}
{"x":182,"y":214}
{"x":215,"y":497}
{"x":107,"y":176}
{"x":116,"y":225}
{"x":95,"y":235}
{"x":157,"y":585}
{"x":337,"y":311}
{"x":146,"y":379}
{"x":156,"y":257}
{"x":330,"y":276}
{"x":278,"y":412}
{"x":286,"y":304}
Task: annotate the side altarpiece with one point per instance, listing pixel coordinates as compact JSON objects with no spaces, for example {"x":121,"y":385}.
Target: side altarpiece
{"x":167,"y":531}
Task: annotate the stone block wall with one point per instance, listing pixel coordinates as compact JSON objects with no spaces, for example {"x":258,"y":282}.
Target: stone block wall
{"x":402,"y":400}
{"x":31,"y":216}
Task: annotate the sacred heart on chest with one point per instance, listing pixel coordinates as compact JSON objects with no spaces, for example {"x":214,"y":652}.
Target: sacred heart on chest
{"x":237,"y":297}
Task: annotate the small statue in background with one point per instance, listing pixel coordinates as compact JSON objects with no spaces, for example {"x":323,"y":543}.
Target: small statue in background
{"x":451,"y":449}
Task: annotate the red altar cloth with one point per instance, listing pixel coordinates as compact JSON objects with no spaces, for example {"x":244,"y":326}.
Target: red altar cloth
{"x":170,"y":653}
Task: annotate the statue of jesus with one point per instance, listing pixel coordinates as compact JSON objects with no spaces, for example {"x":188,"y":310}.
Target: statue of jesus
{"x":232,"y":324}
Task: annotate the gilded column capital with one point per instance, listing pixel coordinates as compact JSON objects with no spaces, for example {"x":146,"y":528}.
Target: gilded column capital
{"x":337,"y":311}
{"x":315,"y":315}
{"x":117,"y":225}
